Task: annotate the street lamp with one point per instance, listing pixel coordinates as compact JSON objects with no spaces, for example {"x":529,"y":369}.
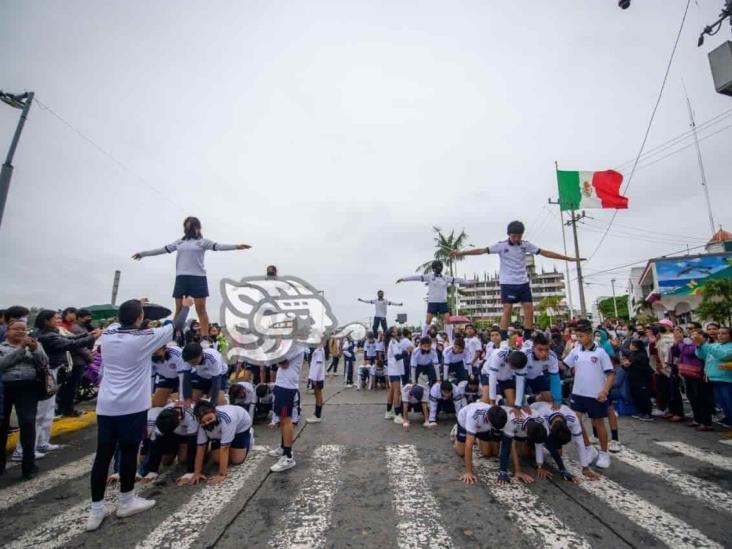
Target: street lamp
{"x":615,"y":303}
{"x":22,"y":101}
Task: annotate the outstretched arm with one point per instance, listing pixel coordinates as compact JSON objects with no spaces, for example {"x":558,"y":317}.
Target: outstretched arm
{"x":474,"y":251}
{"x":157,"y":251}
{"x":368,"y":301}
{"x":413,"y":278}
{"x":216,"y":247}
{"x":554,"y":255}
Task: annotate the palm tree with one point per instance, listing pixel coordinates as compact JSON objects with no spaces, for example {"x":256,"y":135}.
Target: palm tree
{"x":444,"y":246}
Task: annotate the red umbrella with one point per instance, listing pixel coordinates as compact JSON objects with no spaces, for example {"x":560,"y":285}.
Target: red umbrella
{"x":457,"y":319}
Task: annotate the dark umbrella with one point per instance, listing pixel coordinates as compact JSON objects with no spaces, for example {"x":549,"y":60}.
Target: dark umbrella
{"x":102,"y":312}
{"x":153,"y":311}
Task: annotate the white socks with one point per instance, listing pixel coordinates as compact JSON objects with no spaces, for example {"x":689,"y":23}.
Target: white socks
{"x":449,"y":330}
{"x":425,"y":329}
{"x":126,"y":498}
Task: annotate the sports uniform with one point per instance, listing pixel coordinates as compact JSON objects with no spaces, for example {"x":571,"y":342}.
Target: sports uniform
{"x":425,"y":362}
{"x":208,"y":376}
{"x":539,"y":373}
{"x":437,"y":286}
{"x":501,"y":377}
{"x":406,"y":347}
{"x":249,"y":400}
{"x":170,"y":371}
{"x":454,"y":363}
{"x":231,"y":428}
{"x":591,"y":367}
{"x":473,"y":420}
{"x":451,"y":405}
{"x":545,"y":410}
{"x":163,"y":445}
{"x":514,"y":279}
{"x":316,"y":372}
{"x":286,"y":388}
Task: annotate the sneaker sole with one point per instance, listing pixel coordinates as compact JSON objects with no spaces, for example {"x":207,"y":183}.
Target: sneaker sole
{"x":279,"y":470}
{"x":135,"y":512}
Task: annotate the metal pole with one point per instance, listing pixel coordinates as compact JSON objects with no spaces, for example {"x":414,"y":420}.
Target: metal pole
{"x":7,"y":170}
{"x":566,"y":264}
{"x":615,"y":303}
{"x":701,"y":164}
{"x":573,"y":220}
{"x":115,"y":287}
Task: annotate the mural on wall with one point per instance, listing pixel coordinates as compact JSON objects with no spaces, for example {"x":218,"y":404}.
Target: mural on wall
{"x":681,"y":276}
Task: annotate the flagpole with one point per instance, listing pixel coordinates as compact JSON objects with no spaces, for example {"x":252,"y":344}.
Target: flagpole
{"x":564,"y":244}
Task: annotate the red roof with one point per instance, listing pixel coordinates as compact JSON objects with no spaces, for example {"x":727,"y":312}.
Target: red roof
{"x":721,"y":236}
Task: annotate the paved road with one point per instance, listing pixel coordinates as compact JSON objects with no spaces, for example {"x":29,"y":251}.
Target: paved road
{"x":362,"y":482}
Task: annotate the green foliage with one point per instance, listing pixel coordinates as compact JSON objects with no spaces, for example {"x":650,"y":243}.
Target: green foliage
{"x":549,"y":302}
{"x":716,"y":303}
{"x":608,"y":311}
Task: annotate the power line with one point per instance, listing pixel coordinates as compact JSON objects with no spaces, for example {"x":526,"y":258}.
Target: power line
{"x":650,"y":124}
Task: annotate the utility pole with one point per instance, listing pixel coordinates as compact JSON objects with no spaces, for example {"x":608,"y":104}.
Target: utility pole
{"x":566,"y":263}
{"x":573,"y":219}
{"x":115,"y":287}
{"x":615,"y":303}
{"x":22,"y":101}
{"x":692,"y":123}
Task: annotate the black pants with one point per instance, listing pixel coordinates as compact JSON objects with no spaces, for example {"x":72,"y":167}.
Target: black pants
{"x":127,"y":431}
{"x":701,"y":398}
{"x":349,"y":371}
{"x":675,"y":404}
{"x":24,"y":396}
{"x":379,"y":321}
{"x":661,"y":390}
{"x":640,"y":392}
{"x":69,"y":386}
{"x":428,"y":370}
{"x":334,"y":365}
{"x":166,"y":445}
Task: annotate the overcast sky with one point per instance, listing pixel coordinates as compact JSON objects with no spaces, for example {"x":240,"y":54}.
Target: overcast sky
{"x":332,"y":136}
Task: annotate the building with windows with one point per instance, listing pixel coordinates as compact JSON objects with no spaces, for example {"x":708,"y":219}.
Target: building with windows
{"x":483,"y":300}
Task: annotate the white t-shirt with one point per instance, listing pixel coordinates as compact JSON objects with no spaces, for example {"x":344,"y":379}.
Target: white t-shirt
{"x":500,"y":370}
{"x":407,"y":398}
{"x":424,"y":359}
{"x":513,"y":260}
{"x":458,"y":398}
{"x":379,"y":346}
{"x":516,"y":427}
{"x":591,"y":368}
{"x":380,"y":306}
{"x":189,"y":260}
{"x":317,"y":365}
{"x":545,"y":410}
{"x":127,"y":381}
{"x":187,"y":426}
{"x":394,"y":362}
{"x":289,"y":376}
{"x":472,"y":346}
{"x":212,"y":364}
{"x":170,"y":368}
{"x":536,"y":368}
{"x":474,"y":418}
{"x":251,"y":395}
{"x":232,"y":421}
{"x":436,"y":285}
{"x":369,"y":349}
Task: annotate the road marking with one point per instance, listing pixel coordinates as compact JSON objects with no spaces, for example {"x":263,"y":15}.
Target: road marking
{"x":307,"y":519}
{"x":419,"y":516}
{"x":60,"y":529}
{"x":664,"y":526}
{"x":718,"y":460}
{"x":182,"y":529}
{"x":538,"y":521}
{"x":706,"y":491}
{"x":45,"y":481}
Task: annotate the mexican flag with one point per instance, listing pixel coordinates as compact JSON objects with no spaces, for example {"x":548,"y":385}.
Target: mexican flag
{"x":590,"y":190}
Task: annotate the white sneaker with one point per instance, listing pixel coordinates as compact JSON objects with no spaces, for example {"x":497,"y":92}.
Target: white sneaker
{"x":614,"y":446}
{"x":603,"y":461}
{"x":137,"y":505}
{"x":453,"y":434}
{"x":18,"y":456}
{"x":95,"y":519}
{"x":277,"y":452}
{"x":657,"y":413}
{"x":592,"y":452}
{"x":398,"y":420}
{"x":389,"y":415}
{"x":314,"y":419}
{"x":283,"y":464}
{"x":48,"y":448}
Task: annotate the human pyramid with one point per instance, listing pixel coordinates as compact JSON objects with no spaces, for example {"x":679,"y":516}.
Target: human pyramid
{"x":506,"y":394}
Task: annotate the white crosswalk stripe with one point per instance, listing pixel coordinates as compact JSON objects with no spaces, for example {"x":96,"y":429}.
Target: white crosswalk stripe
{"x":420,"y":521}
{"x":664,"y":526}
{"x":537,"y":519}
{"x":712,"y":458}
{"x":183,"y":528}
{"x":703,"y":490}
{"x":45,"y":481}
{"x":308,"y":517}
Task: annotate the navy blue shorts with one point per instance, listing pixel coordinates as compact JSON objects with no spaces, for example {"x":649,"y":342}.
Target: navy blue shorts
{"x":285,"y":401}
{"x":501,"y":386}
{"x":538,"y":384}
{"x":201,"y":383}
{"x":485,"y":436}
{"x":194,"y":286}
{"x":395,"y":378}
{"x":127,"y":429}
{"x":167,"y":383}
{"x":437,"y":308}
{"x":516,"y":293}
{"x":590,"y":406}
{"x":317,"y":384}
{"x":241,"y":441}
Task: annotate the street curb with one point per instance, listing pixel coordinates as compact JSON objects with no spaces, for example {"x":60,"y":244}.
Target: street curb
{"x":60,"y":426}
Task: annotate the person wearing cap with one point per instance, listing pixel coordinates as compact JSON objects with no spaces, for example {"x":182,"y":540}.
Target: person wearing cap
{"x":413,"y":400}
{"x":593,"y":378}
{"x":513,"y":276}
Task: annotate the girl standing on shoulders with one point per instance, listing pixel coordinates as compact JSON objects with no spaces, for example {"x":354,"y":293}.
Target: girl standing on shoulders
{"x":190,"y":273}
